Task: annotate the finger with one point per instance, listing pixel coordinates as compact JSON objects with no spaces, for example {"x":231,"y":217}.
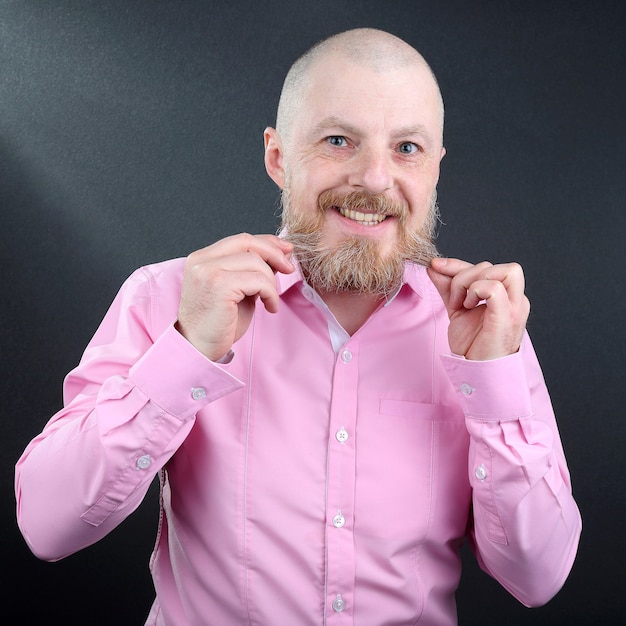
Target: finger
{"x":226,"y":287}
{"x":242,"y":275}
{"x":463,"y":280}
{"x":502,"y":309}
{"x":263,"y":278}
{"x":442,"y":284}
{"x":459,"y":274}
{"x":492,"y":293}
{"x":248,"y":261}
{"x":510,"y":275}
{"x":285,"y":247}
{"x":449,"y":266}
{"x":218,"y":275}
{"x":441,"y":272}
{"x":227,"y":279}
{"x":253,"y":284}
{"x":274,"y":251}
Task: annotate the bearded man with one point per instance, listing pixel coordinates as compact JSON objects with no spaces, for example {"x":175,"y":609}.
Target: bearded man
{"x":331,"y":411}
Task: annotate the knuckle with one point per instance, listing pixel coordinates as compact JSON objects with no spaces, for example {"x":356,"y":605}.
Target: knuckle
{"x":201,"y":273}
{"x":194,"y":265}
{"x":246,"y":238}
{"x":193,"y":258}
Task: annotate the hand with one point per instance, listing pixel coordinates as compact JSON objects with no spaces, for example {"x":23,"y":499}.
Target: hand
{"x":221,"y":284}
{"x":486,"y":306}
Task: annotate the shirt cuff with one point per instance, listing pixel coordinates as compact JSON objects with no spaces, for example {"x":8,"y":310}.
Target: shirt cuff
{"x":493,"y":390}
{"x":179,"y":378}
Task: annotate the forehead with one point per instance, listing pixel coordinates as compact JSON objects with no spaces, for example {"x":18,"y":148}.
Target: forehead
{"x":338,"y":88}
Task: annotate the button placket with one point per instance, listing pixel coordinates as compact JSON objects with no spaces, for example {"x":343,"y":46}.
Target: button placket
{"x":340,"y":572}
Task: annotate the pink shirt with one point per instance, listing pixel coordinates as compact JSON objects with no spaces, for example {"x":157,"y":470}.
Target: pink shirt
{"x":304,"y":483}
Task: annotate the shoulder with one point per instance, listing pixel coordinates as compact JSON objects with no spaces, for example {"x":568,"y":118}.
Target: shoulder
{"x":165,"y":275}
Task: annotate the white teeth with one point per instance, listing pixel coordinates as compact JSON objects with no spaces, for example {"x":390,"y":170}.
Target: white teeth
{"x":364,"y":219}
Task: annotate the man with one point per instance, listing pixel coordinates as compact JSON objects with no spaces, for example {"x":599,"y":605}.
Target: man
{"x":329,"y":419}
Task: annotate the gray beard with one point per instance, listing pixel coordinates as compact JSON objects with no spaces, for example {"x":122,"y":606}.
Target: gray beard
{"x":355,"y":265}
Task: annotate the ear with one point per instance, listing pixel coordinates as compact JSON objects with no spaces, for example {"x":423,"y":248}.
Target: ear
{"x":443,"y":154}
{"x":274,"y":154}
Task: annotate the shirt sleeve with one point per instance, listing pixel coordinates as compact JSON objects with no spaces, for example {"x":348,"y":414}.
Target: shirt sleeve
{"x":129,"y":405}
{"x":526,"y":524}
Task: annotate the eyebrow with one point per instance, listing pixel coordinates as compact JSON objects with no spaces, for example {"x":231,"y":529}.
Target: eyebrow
{"x":336,"y":122}
{"x":417,"y":129}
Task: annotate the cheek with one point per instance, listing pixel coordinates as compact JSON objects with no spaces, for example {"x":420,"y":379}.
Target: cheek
{"x":302,"y":202}
{"x":305,"y":192}
{"x":422,"y":202}
{"x":318,"y":175}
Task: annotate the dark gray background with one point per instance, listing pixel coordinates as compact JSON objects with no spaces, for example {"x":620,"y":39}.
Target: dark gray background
{"x":131,"y":132}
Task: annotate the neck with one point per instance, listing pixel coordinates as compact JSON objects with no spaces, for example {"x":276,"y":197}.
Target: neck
{"x":351,"y":310}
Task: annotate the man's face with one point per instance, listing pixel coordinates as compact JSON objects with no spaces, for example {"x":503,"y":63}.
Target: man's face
{"x":360,"y":165}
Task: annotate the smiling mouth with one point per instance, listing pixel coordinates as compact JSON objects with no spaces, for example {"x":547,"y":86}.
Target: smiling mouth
{"x":363,"y":219}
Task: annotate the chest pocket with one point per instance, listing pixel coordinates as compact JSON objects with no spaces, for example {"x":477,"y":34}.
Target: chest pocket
{"x":407,"y":454}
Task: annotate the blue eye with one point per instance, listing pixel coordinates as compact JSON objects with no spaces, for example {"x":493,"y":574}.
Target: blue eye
{"x":337,"y":140}
{"x":408,"y":147}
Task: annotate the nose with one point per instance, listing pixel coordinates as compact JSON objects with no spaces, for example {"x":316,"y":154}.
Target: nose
{"x":372,"y":170}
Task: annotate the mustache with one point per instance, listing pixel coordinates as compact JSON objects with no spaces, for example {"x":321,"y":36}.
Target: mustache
{"x":364,"y":202}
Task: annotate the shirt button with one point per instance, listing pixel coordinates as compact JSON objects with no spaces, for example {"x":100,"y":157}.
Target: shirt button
{"x":339,"y":604}
{"x":481,"y":473}
{"x":346,"y":356}
{"x":341,"y":435}
{"x":339,"y":520}
{"x":144,"y":462}
{"x":198,"y":393}
{"x":466,"y":389}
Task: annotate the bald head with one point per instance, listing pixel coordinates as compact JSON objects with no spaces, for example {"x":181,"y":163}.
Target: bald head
{"x":377,"y":50}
